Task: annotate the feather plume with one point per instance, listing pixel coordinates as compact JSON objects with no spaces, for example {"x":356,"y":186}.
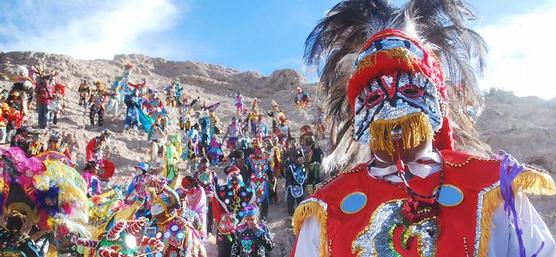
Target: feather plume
{"x":442,"y":24}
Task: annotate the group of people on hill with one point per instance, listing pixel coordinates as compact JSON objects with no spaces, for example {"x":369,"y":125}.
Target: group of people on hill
{"x":201,"y":178}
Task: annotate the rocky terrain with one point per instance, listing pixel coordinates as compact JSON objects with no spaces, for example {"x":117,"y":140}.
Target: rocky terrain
{"x":524,"y":127}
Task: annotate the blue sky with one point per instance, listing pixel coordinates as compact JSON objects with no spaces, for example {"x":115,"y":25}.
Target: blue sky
{"x":261,"y":35}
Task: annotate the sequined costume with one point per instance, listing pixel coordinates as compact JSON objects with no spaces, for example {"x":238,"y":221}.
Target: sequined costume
{"x":296,"y":183}
{"x":180,"y":239}
{"x":260,"y":170}
{"x":252,"y":237}
{"x":229,"y":206}
{"x":412,"y":194}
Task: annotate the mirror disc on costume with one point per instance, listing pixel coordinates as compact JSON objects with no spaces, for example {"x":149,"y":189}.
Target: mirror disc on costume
{"x":450,"y":195}
{"x":180,"y":235}
{"x":353,"y":202}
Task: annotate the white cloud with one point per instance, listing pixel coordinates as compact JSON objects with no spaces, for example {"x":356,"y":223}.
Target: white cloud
{"x":85,"y":29}
{"x":521,"y":58}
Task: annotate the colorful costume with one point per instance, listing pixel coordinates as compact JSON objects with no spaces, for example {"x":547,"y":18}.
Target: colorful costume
{"x":413,"y":195}
{"x":172,"y":154}
{"x":179,"y":237}
{"x":133,"y":104}
{"x":229,"y":208}
{"x":260,"y":170}
{"x":196,"y":201}
{"x":47,"y":196}
{"x":57,"y":104}
{"x":232,"y":134}
{"x":252,"y":238}
{"x":115,"y":96}
{"x":97,"y":100}
{"x":239,"y":103}
{"x":301,"y":98}
{"x":296,"y":182}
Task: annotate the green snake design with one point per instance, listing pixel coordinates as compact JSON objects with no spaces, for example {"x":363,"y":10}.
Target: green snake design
{"x":377,"y":238}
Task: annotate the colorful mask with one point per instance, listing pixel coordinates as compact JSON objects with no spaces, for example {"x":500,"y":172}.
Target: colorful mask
{"x":396,"y":88}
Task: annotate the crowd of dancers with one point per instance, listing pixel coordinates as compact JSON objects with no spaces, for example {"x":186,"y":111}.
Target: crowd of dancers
{"x":201,"y":178}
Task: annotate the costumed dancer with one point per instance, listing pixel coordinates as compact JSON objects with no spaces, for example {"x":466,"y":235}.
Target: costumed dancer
{"x":115,"y":97}
{"x":320,"y":129}
{"x":14,"y":114}
{"x":195,"y":198}
{"x":275,"y":162}
{"x":313,"y":162}
{"x":239,"y":103}
{"x":90,"y":175}
{"x":137,"y":189}
{"x":252,"y":237}
{"x":301,"y":98}
{"x":233,"y":133}
{"x":22,"y":138}
{"x":283,"y":132}
{"x":45,"y":93}
{"x":262,"y":129}
{"x":97,"y":100}
{"x":157,"y":141}
{"x":215,"y":154}
{"x":57,"y":103}
{"x":229,"y":208}
{"x":84,"y":92}
{"x":133,"y":102}
{"x":56,"y":144}
{"x":24,"y":85}
{"x":178,"y":89}
{"x":253,"y":117}
{"x":260,"y":171}
{"x":179,"y":237}
{"x":296,"y":181}
{"x":412,"y":194}
{"x":95,"y":147}
{"x":274,"y":115}
{"x":172,"y":154}
{"x":207,"y":179}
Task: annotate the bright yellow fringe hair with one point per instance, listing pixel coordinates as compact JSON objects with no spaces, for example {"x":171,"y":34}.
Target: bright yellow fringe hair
{"x":415,"y":129}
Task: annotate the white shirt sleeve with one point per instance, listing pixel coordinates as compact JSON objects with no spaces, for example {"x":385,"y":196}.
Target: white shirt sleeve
{"x":308,"y":240}
{"x":503,"y":240}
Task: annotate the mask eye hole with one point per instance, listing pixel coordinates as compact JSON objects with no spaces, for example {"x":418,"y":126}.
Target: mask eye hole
{"x":412,"y":91}
{"x":373,"y":98}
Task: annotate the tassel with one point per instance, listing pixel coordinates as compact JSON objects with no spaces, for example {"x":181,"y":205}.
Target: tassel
{"x":415,"y":128}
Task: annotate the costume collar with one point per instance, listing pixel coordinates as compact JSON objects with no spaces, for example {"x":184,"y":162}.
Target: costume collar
{"x":425,"y":165}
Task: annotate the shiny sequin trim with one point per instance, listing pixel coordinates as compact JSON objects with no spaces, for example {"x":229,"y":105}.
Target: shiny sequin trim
{"x":480,"y":215}
{"x":376,"y":239}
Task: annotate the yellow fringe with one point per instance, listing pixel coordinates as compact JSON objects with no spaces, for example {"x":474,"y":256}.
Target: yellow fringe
{"x":305,"y":211}
{"x":530,"y":181}
{"x":415,"y":129}
{"x":52,"y":251}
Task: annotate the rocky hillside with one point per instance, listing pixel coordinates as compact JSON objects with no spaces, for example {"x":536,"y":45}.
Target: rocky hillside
{"x":525,"y":127}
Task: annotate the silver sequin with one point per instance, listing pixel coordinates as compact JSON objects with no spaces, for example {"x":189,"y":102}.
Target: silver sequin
{"x":399,"y":106}
{"x":377,"y":238}
{"x":480,"y":215}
